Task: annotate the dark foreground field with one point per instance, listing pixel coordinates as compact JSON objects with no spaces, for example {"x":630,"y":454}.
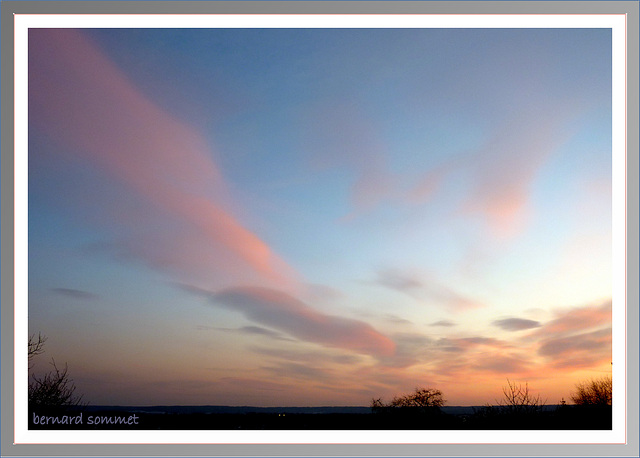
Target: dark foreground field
{"x":478,"y":418}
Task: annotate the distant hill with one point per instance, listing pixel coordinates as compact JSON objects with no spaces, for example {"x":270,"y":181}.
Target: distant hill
{"x":232,"y":409}
{"x":316,"y":418}
{"x":451,"y":410}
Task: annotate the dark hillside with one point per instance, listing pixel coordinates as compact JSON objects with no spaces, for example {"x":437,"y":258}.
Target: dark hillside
{"x":317,"y":418}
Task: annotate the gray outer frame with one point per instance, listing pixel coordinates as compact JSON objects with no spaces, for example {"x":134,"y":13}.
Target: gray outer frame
{"x":404,"y":7}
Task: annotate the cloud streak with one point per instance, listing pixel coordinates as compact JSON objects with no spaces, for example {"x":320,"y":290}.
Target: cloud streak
{"x":499,"y":364}
{"x":498,"y":174}
{"x":591,"y":342}
{"x":578,"y":319}
{"x":578,"y":337}
{"x":256,"y":331}
{"x":82,"y":101}
{"x":281,"y":311}
{"x":443,"y":323}
{"x":315,"y":357}
{"x":398,"y":281}
{"x":75,"y":293}
{"x":424,"y":288}
{"x":516,"y":324}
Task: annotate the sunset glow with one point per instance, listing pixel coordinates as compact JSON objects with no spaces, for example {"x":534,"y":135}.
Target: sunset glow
{"x":306,"y":217}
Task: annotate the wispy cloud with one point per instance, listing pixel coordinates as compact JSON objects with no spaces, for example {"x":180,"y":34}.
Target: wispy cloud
{"x":344,"y":137}
{"x":424,"y":288}
{"x":398,"y":281}
{"x":306,"y":356}
{"x":316,"y":292}
{"x":443,"y":323}
{"x":396,"y":319}
{"x":516,"y":324}
{"x":299,"y":371}
{"x":473,"y":341}
{"x":578,"y":319}
{"x":284,"y":312}
{"x":578,"y":337}
{"x":256,"y":331}
{"x":411,"y":348}
{"x":579,"y":350}
{"x":502,"y":172}
{"x":499,"y":173}
{"x":85,"y":104}
{"x":429,"y":184}
{"x":501,"y":364}
{"x":75,"y":293}
{"x":575,"y":339}
{"x":592,"y":342}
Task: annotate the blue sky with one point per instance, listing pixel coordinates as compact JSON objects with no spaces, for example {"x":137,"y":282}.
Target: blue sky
{"x":270,"y":216}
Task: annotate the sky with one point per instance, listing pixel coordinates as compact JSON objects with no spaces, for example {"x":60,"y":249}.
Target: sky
{"x":303,"y":217}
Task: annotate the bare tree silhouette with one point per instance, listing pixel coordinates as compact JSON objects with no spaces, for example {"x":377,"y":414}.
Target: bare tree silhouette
{"x":596,"y":392}
{"x":519,"y":400}
{"x":54,"y":389}
{"x":423,"y":399}
{"x":36,"y":346}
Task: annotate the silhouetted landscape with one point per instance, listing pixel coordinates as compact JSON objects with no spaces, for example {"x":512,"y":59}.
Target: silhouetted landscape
{"x":321,"y":418}
{"x":54,"y":404}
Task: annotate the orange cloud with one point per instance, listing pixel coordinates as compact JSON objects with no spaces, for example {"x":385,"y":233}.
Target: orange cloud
{"x":501,"y":364}
{"x":82,"y":101}
{"x":592,"y":342}
{"x":578,"y":320}
{"x":577,"y":338}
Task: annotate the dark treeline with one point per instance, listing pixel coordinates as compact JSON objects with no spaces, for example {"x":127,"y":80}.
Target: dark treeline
{"x":408,"y":418}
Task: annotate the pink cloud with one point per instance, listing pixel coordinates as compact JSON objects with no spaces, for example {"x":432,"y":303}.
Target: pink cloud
{"x":343,"y":136}
{"x":180,"y":221}
{"x":85,"y":104}
{"x":372,"y":187}
{"x":503,"y":171}
{"x":577,"y":320}
{"x":500,"y":173}
{"x":428,"y":184}
{"x":425,"y":288}
{"x":592,"y":342}
{"x":577,"y":338}
{"x":288,"y":314}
